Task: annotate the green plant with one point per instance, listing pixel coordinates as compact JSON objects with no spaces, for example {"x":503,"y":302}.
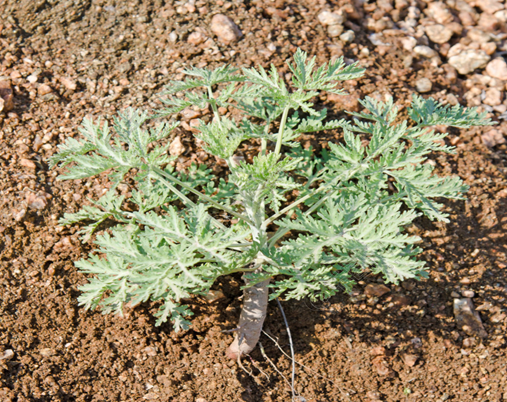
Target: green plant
{"x":180,"y":231}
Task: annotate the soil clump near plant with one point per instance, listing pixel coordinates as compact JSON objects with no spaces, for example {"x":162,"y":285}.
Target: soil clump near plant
{"x":65,"y":60}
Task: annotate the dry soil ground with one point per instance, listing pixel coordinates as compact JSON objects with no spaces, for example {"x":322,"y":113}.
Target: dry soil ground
{"x":65,"y":59}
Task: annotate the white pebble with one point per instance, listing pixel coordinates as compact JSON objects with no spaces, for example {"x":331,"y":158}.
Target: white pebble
{"x":329,"y":18}
{"x":469,"y":60}
{"x":348,"y":36}
{"x":423,"y":85}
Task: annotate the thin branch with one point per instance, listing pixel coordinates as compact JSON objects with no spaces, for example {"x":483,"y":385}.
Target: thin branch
{"x":213,"y":104}
{"x":190,"y":203}
{"x":201,"y":195}
{"x":303,"y":199}
{"x":282,"y":232}
{"x":281,"y":130}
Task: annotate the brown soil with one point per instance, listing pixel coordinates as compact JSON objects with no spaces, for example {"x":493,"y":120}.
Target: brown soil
{"x":403,"y":346}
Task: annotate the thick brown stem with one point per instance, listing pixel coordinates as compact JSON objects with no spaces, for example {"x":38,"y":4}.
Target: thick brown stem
{"x":252,"y":317}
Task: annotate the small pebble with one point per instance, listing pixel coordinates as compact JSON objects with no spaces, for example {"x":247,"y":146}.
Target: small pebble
{"x":19,"y":215}
{"x":44,"y":89}
{"x":329,"y":18}
{"x":196,"y":38}
{"x":488,"y":22}
{"x":468,"y":293}
{"x":423,"y":85}
{"x":46,"y":352}
{"x":497,"y":68}
{"x":150,"y":351}
{"x":489,"y":48}
{"x":334,"y":30}
{"x":376,"y":290}
{"x":490,"y":6}
{"x":409,"y":43}
{"x":68,"y":83}
{"x":271,"y":47}
{"x":469,"y":342}
{"x":492,"y":138}
{"x":173,"y":37}
{"x":478,"y":36}
{"x":409,"y":359}
{"x":189,"y":114}
{"x":438,"y":33}
{"x":214,"y":296}
{"x":408,"y":61}
{"x":37,"y":201}
{"x":8,"y":354}
{"x":439,"y":12}
{"x":176,"y":148}
{"x":27,"y":163}
{"x":469,"y":60}
{"x":498,"y":317}
{"x":425,"y":51}
{"x":501,"y":16}
{"x":400,"y":300}
{"x":225,"y":28}
{"x":485,"y":306}
{"x":347,"y":36}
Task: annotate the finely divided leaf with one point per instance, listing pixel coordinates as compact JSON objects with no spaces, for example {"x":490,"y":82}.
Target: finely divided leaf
{"x":428,"y":112}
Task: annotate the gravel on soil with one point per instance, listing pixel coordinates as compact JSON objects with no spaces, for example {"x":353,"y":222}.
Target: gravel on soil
{"x":66,"y":59}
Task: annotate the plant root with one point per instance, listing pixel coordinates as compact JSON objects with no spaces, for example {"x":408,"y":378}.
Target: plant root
{"x":251,"y":320}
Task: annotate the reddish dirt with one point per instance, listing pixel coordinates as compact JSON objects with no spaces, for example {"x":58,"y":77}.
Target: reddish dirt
{"x":67,"y":59}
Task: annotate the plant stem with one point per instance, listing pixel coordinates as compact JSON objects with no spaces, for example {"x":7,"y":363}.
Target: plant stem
{"x":282,"y":232}
{"x":160,"y":172}
{"x":263,"y":146}
{"x":290,"y":206}
{"x":319,"y":190}
{"x":281,"y":130}
{"x":214,"y":106}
